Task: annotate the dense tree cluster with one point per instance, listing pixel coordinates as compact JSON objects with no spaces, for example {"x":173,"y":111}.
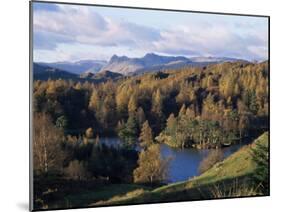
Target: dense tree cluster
{"x":224,"y":99}
{"x":56,"y":153}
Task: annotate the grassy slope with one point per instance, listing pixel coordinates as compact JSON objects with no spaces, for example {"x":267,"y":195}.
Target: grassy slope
{"x":236,"y":167}
{"x":84,"y":198}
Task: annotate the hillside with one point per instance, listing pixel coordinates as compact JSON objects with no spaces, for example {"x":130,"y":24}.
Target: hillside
{"x":78,"y":67}
{"x":44,"y":72}
{"x":234,"y":171}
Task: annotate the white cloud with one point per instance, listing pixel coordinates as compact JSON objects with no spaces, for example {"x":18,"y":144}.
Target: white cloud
{"x":76,"y":26}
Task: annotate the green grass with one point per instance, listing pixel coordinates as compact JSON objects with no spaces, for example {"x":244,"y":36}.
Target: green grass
{"x":101,"y":193}
{"x":235,"y":169}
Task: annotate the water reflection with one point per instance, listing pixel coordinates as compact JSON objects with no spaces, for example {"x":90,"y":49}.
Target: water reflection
{"x":184,"y":163}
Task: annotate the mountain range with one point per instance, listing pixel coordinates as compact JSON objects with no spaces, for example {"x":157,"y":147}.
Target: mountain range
{"x":152,"y":62}
{"x":118,"y":66}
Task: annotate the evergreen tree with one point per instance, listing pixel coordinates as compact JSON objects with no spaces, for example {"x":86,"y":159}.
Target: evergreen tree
{"x":261,"y":159}
{"x":128,"y":133}
{"x":61,"y":122}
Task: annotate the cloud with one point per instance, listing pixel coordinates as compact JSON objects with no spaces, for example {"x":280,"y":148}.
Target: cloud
{"x":70,"y":24}
{"x":212,"y":40}
{"x":59,"y":25}
{"x":49,"y":40}
{"x":47,"y":7}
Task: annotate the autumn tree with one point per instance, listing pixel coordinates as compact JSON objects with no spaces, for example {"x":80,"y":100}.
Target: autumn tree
{"x":182,"y":110}
{"x":146,"y":137}
{"x":95,"y":101}
{"x":152,"y":168}
{"x":157,"y":108}
{"x":132,"y":105}
{"x":140,"y":116}
{"x":171,"y":124}
{"x":89,"y":132}
{"x":76,"y":171}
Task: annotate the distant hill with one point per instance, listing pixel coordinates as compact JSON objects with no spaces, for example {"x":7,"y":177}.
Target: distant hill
{"x":43,"y":72}
{"x":152,"y":62}
{"x":79,"y":66}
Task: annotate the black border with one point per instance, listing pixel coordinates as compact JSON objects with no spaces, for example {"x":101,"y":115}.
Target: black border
{"x":139,"y":8}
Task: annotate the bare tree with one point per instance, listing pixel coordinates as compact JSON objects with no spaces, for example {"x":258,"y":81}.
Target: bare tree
{"x":47,"y":152}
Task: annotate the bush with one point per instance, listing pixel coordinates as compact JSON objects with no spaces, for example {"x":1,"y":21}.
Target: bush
{"x":76,"y":171}
{"x":234,"y":189}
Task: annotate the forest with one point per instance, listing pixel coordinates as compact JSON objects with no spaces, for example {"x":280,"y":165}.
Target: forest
{"x":208,"y":107}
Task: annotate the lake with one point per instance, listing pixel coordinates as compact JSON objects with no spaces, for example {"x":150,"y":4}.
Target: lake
{"x":184,"y":163}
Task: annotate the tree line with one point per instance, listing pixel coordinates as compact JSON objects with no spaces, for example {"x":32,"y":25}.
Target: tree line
{"x":208,"y":106}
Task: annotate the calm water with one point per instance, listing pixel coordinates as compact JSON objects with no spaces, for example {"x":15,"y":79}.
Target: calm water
{"x":184,"y":163}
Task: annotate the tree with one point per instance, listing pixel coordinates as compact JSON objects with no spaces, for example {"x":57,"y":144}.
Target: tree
{"x":253,"y":103}
{"x":128,"y":132}
{"x":151,"y":167}
{"x":182,"y":133}
{"x":243,"y":124}
{"x":89,"y":132}
{"x":76,"y":171}
{"x":132,"y":105}
{"x":146,"y":137}
{"x":182,"y":110}
{"x":140,"y":116}
{"x":48,"y":155}
{"x":183,"y":96}
{"x":95,"y":102}
{"x":171,"y":124}
{"x":157,"y":101}
{"x":61,"y":122}
{"x":157,"y":106}
{"x":260,"y":156}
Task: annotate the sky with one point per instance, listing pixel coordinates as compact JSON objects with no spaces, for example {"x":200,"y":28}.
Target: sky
{"x":63,"y":32}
